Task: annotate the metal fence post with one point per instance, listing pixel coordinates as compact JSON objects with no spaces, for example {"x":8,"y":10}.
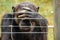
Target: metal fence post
{"x":57,"y":19}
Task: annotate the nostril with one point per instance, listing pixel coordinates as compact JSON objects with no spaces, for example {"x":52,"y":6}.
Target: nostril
{"x":25,"y":22}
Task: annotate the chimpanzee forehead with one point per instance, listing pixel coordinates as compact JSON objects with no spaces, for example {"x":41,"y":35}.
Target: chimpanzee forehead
{"x":26,"y":5}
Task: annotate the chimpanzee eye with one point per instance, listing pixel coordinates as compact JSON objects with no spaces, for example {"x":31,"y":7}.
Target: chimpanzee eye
{"x":20,"y":13}
{"x":29,"y":10}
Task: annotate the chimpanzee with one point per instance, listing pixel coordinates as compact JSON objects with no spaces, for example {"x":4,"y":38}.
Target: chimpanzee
{"x":24,"y":23}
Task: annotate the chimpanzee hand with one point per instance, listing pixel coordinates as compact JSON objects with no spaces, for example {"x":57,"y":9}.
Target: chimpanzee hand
{"x":37,"y":18}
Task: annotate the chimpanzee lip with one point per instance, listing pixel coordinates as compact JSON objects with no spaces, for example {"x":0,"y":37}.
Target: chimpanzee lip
{"x":25,"y":28}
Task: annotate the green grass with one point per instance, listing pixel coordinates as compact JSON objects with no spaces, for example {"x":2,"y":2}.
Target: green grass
{"x":50,"y":34}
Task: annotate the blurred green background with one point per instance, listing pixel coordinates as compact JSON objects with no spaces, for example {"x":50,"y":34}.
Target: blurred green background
{"x":46,"y":10}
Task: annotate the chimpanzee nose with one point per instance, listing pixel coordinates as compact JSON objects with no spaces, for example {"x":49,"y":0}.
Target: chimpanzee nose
{"x":25,"y":22}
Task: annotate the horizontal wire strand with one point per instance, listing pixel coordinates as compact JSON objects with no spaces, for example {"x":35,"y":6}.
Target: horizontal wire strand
{"x":22,"y":32}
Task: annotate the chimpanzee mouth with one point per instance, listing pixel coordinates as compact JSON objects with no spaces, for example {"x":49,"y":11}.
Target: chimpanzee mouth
{"x":25,"y":24}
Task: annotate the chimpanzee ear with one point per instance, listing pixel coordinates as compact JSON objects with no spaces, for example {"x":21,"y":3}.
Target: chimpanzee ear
{"x":37,"y":9}
{"x":13,"y":8}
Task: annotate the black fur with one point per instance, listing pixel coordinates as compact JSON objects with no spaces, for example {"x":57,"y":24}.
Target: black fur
{"x":24,"y":36}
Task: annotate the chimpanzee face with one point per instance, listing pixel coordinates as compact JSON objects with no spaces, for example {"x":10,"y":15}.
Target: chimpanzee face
{"x":22,"y":11}
{"x":22,"y":20}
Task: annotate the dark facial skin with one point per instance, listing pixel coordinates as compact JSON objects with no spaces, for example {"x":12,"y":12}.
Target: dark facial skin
{"x":23,"y":11}
{"x":24,"y":24}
